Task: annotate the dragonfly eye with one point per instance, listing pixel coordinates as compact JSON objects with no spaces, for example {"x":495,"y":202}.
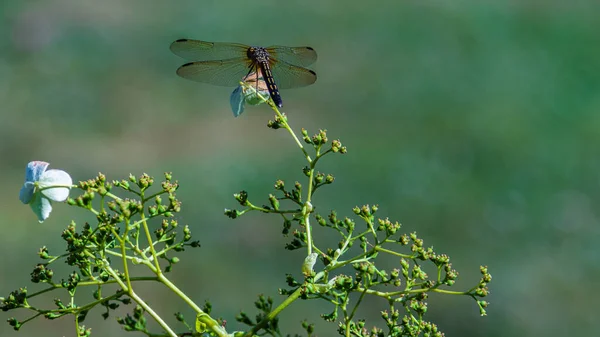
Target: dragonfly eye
{"x":250,"y":53}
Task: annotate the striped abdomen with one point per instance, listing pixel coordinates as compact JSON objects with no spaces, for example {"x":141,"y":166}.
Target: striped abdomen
{"x":265,"y":68}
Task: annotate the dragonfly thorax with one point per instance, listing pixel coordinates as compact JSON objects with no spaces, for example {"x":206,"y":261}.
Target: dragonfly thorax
{"x":258,"y":54}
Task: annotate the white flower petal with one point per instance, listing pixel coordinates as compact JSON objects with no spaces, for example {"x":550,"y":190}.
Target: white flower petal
{"x":41,"y":207}
{"x":26,"y":192}
{"x":35,"y":169}
{"x":236,"y":100}
{"x":53,"y":178}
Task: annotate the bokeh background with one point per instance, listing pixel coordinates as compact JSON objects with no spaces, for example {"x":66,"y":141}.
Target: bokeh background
{"x":475,"y":123}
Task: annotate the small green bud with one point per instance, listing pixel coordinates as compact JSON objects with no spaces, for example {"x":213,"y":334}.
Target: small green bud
{"x":482,"y":292}
{"x":14,"y":323}
{"x":482,"y":306}
{"x":43,"y":253}
{"x":442,"y":258}
{"x":320,"y":220}
{"x":371,"y":269}
{"x":231,"y":213}
{"x":317,"y":140}
{"x":287,"y":225}
{"x":404,"y":264}
{"x":274,"y":202}
{"x":349,"y":224}
{"x":333,"y":218}
{"x":306,"y":171}
{"x":242,"y":198}
{"x":310,"y":329}
{"x":336,"y":146}
{"x":305,"y":137}
{"x":102,"y":190}
{"x":279,"y":185}
{"x":273,"y":124}
{"x":323,"y":136}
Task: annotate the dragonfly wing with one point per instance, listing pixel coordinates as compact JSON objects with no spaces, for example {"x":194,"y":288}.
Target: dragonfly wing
{"x":302,"y":56}
{"x":227,"y":73}
{"x":196,"y":50}
{"x":289,"y":76}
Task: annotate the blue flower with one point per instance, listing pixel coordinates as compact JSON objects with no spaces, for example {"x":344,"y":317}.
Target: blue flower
{"x":248,"y":94}
{"x":41,"y":187}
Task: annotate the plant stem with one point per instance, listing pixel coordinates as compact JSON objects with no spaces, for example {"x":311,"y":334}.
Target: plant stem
{"x":307,"y":207}
{"x":150,"y":243}
{"x":138,"y":299}
{"x":294,"y":296}
{"x":218,"y":330}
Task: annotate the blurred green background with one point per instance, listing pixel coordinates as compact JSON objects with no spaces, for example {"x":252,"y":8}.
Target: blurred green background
{"x":475,"y":123}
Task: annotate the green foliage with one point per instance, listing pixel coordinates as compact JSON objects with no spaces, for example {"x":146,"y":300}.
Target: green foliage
{"x":135,"y":229}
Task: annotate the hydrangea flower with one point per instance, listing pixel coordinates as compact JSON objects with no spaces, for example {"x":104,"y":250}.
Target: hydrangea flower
{"x":43,"y":186}
{"x":242,"y":95}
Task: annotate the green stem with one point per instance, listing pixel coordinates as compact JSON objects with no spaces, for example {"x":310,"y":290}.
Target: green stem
{"x":218,"y":330}
{"x":124,"y":253}
{"x":151,"y":312}
{"x":381,"y":249}
{"x":139,"y":300}
{"x":76,"y":325}
{"x":150,"y":243}
{"x":281,"y":117}
{"x":148,"y":235}
{"x":307,"y":207}
{"x":291,"y":132}
{"x":262,"y":209}
{"x":404,"y":292}
{"x":294,"y":296}
{"x":362,"y":295}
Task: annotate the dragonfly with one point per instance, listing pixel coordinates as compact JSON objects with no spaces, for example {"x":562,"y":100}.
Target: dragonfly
{"x":226,"y":64}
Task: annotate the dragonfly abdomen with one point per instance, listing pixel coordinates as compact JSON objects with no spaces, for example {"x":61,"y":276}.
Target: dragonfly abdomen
{"x":271,"y":85}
